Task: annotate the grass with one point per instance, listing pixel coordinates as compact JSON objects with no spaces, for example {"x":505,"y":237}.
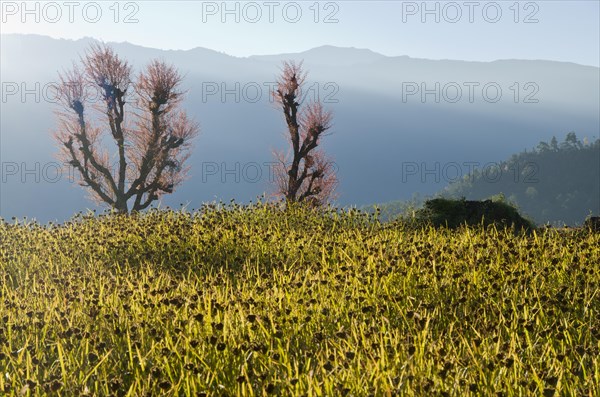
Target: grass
{"x":256,"y":301}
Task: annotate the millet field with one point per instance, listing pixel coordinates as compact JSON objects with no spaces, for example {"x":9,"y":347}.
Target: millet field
{"x":256,"y":300}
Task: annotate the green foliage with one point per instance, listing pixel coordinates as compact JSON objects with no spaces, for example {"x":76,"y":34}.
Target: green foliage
{"x":234,"y":300}
{"x":455,"y":213}
{"x":556,"y":183}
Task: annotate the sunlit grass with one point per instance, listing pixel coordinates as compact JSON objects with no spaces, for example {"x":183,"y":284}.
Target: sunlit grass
{"x":255,"y":301}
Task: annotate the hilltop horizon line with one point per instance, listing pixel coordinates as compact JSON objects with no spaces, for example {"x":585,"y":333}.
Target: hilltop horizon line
{"x":328,"y":47}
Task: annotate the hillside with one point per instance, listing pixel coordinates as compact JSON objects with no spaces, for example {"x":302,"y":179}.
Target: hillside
{"x":557,"y":183}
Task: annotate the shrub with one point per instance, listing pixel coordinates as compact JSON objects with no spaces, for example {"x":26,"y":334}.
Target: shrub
{"x":455,"y":213}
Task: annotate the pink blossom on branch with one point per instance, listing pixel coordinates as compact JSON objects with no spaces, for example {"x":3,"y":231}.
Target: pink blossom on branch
{"x":306,"y":174}
{"x":152,"y":136}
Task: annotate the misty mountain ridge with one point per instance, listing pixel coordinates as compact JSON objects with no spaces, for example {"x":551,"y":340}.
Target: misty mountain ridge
{"x":324,"y":54}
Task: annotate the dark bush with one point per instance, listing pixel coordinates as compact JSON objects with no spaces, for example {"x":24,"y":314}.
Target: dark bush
{"x":593,"y":223}
{"x":454,"y":213}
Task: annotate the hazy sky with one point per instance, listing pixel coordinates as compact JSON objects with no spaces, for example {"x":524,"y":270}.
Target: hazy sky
{"x":468,"y":30}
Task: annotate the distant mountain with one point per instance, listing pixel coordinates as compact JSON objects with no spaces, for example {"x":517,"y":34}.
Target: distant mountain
{"x":326,"y":55}
{"x":399,"y":122}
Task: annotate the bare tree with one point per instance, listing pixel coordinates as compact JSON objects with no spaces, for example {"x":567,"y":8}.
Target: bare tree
{"x":306,"y":174}
{"x":151,"y":134}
